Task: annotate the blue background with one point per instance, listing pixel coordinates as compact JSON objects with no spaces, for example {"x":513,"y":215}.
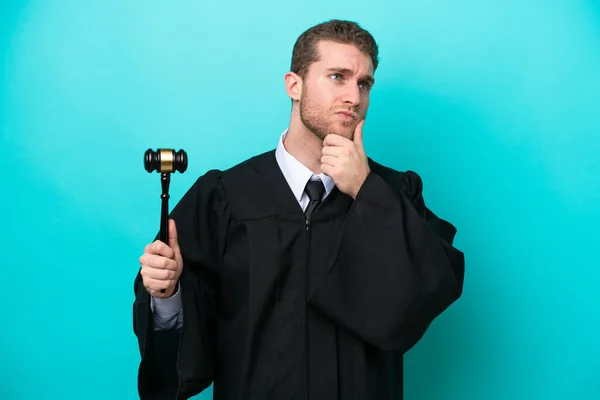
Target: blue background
{"x":495,"y":103}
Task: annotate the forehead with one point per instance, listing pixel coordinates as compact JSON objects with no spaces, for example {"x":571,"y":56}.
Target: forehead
{"x":346,"y":56}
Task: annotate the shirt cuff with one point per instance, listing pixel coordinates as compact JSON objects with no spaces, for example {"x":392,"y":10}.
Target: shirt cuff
{"x":166,"y":308}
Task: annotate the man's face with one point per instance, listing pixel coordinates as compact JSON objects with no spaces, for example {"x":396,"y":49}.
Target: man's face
{"x":336,"y":90}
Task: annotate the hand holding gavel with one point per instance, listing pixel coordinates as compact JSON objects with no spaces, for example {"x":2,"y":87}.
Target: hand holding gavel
{"x":161,"y":263}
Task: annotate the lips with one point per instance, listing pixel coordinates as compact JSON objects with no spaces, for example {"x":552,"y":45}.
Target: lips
{"x":347,"y":114}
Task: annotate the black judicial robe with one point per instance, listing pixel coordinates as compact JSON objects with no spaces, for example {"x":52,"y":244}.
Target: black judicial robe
{"x":276,"y":309}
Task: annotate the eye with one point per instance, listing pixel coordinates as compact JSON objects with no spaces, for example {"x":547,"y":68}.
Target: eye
{"x":336,"y":76}
{"x":365,"y":85}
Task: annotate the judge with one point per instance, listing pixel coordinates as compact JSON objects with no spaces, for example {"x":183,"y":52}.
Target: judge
{"x":305,"y":272}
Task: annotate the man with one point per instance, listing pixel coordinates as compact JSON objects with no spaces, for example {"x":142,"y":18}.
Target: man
{"x":302,"y":273}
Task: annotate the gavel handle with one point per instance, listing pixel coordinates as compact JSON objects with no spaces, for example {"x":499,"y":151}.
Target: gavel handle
{"x":164,"y":213}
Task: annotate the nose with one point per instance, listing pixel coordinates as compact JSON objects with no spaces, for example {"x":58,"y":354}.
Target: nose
{"x":351,"y":95}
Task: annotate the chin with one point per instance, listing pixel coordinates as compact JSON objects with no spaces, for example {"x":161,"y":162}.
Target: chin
{"x":336,"y":128}
{"x":344,"y":130}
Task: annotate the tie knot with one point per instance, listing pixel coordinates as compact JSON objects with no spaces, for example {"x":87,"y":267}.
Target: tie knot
{"x":315,"y":190}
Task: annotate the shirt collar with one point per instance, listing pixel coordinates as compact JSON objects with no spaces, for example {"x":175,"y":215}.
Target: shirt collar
{"x":297,"y":174}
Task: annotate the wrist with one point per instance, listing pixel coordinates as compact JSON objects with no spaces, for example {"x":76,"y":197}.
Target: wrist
{"x":171,"y":290}
{"x":359,"y":185}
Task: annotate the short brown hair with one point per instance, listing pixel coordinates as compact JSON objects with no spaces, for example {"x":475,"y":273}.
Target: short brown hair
{"x":345,"y":32}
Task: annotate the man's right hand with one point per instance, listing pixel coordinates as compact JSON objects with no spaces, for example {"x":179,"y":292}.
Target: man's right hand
{"x":162,"y":265}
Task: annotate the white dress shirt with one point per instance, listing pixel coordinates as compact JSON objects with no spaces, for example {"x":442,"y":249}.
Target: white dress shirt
{"x":167,"y":312}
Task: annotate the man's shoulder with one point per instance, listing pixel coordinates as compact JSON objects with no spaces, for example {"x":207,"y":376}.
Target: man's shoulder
{"x":239,"y":172}
{"x":255,"y":163}
{"x":406,"y":181}
{"x":259,"y":161}
{"x":384,"y":171}
{"x":249,"y":174}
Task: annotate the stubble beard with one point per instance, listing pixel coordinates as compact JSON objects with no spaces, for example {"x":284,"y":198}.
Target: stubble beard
{"x":316,"y":120}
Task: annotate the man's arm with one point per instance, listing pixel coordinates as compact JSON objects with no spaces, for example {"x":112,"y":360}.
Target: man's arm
{"x":178,"y":358}
{"x":395,"y":270}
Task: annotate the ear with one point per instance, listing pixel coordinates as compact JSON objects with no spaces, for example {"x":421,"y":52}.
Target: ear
{"x":293,"y":85}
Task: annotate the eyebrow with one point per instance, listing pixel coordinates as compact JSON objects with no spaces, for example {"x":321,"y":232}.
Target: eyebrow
{"x":342,"y":71}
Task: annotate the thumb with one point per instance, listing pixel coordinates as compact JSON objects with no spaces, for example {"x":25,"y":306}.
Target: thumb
{"x":358,"y":134}
{"x":173,"y":235}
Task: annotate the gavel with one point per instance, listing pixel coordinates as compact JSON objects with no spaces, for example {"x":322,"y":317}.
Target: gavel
{"x":165,"y":161}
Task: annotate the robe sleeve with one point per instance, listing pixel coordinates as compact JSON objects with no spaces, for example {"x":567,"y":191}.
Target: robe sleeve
{"x":177,"y":364}
{"x":395,"y":268}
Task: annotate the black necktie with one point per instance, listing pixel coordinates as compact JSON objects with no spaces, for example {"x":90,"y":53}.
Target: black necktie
{"x":315,"y":191}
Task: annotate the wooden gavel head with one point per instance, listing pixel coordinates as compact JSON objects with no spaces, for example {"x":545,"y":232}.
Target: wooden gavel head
{"x":165,"y":160}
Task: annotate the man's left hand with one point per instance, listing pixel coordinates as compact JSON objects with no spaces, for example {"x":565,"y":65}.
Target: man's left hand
{"x":345,"y":161}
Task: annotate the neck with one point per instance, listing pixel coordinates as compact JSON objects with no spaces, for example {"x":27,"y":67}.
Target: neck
{"x":301,"y":143}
